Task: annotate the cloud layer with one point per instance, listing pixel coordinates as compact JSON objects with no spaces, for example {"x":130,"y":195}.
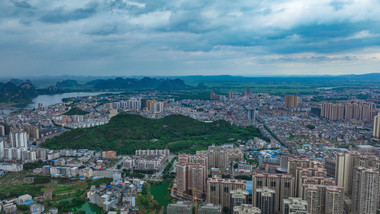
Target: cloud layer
{"x":184,"y":37}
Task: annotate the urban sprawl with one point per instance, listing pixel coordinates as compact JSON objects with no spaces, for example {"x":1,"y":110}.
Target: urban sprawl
{"x":320,"y":157}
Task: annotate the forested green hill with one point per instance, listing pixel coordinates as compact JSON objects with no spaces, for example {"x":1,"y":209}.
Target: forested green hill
{"x":127,"y":132}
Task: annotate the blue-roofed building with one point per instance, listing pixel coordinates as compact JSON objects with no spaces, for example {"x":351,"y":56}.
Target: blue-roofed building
{"x":29,"y":202}
{"x":268,"y":157}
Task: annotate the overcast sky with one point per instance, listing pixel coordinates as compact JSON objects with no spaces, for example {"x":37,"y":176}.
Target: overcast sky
{"x":189,"y":37}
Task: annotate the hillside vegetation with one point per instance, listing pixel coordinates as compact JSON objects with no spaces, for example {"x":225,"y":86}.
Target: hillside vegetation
{"x":126,"y":132}
{"x":76,"y":111}
{"x":9,"y":92}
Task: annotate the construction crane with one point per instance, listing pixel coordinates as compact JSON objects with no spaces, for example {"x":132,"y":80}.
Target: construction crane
{"x":194,"y":197}
{"x":212,"y":195}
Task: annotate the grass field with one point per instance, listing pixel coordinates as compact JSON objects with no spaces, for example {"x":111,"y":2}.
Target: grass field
{"x":16,"y":184}
{"x":161,"y":194}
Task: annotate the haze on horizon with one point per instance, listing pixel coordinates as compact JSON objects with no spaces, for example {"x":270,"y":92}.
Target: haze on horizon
{"x":189,"y":37}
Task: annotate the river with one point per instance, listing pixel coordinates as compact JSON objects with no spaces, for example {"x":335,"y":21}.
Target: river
{"x":88,"y":208}
{"x":48,"y":100}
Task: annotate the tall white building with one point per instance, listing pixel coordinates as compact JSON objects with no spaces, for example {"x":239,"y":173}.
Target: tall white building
{"x":132,"y":103}
{"x":1,"y":149}
{"x":343,"y":171}
{"x":376,"y":127}
{"x":365,"y":190}
{"x":19,"y":139}
{"x":157,"y":107}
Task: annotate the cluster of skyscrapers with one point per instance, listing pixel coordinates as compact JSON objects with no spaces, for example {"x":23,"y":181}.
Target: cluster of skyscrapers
{"x":138,"y":104}
{"x":359,"y":110}
{"x":358,"y":175}
{"x":305,"y":189}
{"x":16,"y":146}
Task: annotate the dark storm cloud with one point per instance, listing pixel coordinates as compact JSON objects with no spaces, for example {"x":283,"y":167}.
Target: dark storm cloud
{"x":61,"y":15}
{"x":187,"y":34}
{"x":22,"y":4}
{"x":104,"y":30}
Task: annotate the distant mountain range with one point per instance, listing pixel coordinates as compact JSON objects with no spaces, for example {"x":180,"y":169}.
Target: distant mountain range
{"x":17,"y":90}
{"x":144,"y":83}
{"x":10,"y":92}
{"x":67,"y":84}
{"x":373,"y":77}
{"x":84,"y":79}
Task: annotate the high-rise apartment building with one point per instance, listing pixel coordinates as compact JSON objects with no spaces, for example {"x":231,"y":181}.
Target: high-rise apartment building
{"x":312,"y":196}
{"x":251,"y":116}
{"x":157,"y":107}
{"x":237,"y":198}
{"x":248,"y":90}
{"x":230,"y":95}
{"x":332,"y":111}
{"x":286,"y":188}
{"x":133,"y":103}
{"x":19,"y":139}
{"x":265,"y":199}
{"x":282,"y":184}
{"x":218,"y":159}
{"x":2,"y":146}
{"x":218,"y":189}
{"x":2,"y":130}
{"x":365,"y":190}
{"x":346,"y":162}
{"x":359,"y":110}
{"x":343,"y":171}
{"x":333,"y":200}
{"x":246,"y":209}
{"x":144,"y":103}
{"x":192,"y":174}
{"x":313,"y":186}
{"x":220,"y":156}
{"x":149,"y":104}
{"x":32,"y":131}
{"x":214,"y":96}
{"x":330,"y":165}
{"x":376,"y":127}
{"x":294,"y":205}
{"x":180,"y":207}
{"x":293,"y":164}
{"x":210,"y":209}
{"x":291,"y":101}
